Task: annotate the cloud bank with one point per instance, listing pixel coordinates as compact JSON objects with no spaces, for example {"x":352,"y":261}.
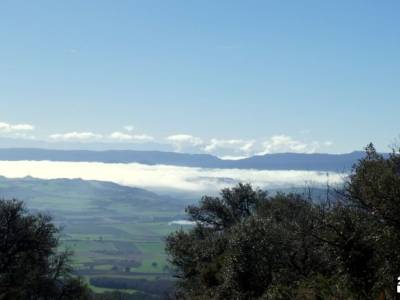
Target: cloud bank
{"x":166,"y":178}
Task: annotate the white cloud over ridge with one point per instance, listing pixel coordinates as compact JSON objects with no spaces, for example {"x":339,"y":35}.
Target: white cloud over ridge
{"x":180,"y":141}
{"x":241,"y":148}
{"x":142,"y":137}
{"x":8,"y":128}
{"x":232,"y":148}
{"x":183,"y":142}
{"x":166,"y":178}
{"x":75,"y":136}
{"x":285,"y":143}
{"x":121,"y":136}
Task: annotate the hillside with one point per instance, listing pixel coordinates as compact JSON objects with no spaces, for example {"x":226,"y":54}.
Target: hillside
{"x":63,"y":196}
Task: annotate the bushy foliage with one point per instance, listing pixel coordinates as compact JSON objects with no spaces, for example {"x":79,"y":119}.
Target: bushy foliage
{"x":30,"y":266}
{"x":249,"y":245}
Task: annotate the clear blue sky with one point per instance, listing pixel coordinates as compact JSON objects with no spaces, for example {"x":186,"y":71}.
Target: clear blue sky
{"x":325,"y":72}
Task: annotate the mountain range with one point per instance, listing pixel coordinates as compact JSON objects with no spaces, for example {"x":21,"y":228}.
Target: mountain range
{"x":279,"y":161}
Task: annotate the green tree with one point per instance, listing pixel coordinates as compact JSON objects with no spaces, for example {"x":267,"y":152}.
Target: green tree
{"x":248,"y":245}
{"x":30,"y":265}
{"x":373,"y":191}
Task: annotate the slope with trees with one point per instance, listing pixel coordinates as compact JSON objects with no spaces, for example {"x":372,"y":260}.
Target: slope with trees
{"x":249,"y":245}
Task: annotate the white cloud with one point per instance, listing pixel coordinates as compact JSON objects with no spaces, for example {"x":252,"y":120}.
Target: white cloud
{"x":285,"y":143}
{"x":9,"y":128}
{"x":90,"y":136}
{"x":183,"y":140}
{"x":75,"y":136}
{"x":223,"y":148}
{"x":167,"y":178}
{"x":233,"y":147}
{"x":241,"y":148}
{"x":142,"y":137}
{"x":121,"y":136}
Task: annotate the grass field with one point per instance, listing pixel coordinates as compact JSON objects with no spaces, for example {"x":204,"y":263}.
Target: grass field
{"x":116,"y":247}
{"x":111,"y":248}
{"x":113,"y":231}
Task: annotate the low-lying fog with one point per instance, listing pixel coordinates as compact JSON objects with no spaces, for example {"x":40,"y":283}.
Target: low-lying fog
{"x":167,"y":178}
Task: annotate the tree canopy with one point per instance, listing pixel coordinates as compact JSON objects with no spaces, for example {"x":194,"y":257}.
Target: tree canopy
{"x":31,"y":266}
{"x":247,"y":244}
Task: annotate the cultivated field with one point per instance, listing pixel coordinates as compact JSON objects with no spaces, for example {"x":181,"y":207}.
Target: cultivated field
{"x":115,"y":232}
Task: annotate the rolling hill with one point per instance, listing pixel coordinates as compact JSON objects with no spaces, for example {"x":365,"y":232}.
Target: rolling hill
{"x":74,"y":196}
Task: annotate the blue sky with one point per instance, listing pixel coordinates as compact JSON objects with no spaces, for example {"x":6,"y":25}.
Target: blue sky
{"x":231,"y":78}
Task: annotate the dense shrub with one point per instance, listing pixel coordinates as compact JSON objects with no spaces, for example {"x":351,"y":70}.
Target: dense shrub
{"x":30,"y":265}
{"x":249,"y":245}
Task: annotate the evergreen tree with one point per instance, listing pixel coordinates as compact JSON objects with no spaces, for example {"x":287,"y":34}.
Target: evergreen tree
{"x":30,"y":265}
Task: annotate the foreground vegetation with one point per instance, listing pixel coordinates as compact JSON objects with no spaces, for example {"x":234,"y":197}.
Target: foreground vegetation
{"x":249,"y":245}
{"x":30,"y":265}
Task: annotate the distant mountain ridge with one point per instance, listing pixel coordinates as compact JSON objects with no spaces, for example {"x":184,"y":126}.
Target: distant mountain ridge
{"x":279,"y":161}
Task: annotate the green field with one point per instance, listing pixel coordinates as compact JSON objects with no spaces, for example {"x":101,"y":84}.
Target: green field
{"x":113,"y":231}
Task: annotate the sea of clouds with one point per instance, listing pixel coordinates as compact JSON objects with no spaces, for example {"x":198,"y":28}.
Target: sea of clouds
{"x":168,"y":178}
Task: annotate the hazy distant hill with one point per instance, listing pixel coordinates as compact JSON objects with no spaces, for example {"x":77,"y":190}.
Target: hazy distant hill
{"x":78,"y":196}
{"x":300,"y":161}
{"x":282,"y":161}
